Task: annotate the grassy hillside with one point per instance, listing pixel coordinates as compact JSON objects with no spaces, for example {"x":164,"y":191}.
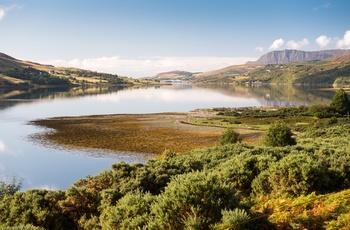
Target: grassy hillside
{"x":334,"y":71}
{"x":230,"y":74}
{"x":331,"y":72}
{"x":18,"y":73}
{"x":175,"y":75}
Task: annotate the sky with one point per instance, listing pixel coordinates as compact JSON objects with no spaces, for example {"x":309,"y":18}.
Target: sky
{"x":141,"y":38}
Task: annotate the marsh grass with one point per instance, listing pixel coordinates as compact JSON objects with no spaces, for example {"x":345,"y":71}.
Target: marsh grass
{"x":147,"y":133}
{"x":178,"y":132}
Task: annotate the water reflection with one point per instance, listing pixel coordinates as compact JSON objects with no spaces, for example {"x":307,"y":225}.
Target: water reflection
{"x":267,"y":95}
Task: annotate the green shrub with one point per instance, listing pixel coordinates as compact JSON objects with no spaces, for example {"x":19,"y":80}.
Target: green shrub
{"x":230,"y":136}
{"x":333,"y":121}
{"x":35,"y":207}
{"x":261,"y":185}
{"x":131,"y":212}
{"x":279,"y":134}
{"x":23,"y":227}
{"x":317,"y":108}
{"x":233,"y":220}
{"x":293,"y":175}
{"x":242,"y":169}
{"x":323,"y":114}
{"x":340,"y":102}
{"x":192,"y":199}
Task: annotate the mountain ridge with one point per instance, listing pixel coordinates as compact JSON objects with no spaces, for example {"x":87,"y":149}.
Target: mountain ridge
{"x":288,"y":56}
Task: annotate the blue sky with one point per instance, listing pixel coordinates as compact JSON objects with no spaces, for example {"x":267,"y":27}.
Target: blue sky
{"x":139,"y":38}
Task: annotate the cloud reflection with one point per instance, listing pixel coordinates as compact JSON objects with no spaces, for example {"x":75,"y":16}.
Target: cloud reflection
{"x":4,"y":150}
{"x":166,"y":95}
{"x":2,"y":146}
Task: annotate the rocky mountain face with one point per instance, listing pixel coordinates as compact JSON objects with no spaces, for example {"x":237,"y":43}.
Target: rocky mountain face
{"x":287,"y":56}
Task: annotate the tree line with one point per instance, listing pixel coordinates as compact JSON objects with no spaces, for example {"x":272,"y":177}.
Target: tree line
{"x":37,"y":76}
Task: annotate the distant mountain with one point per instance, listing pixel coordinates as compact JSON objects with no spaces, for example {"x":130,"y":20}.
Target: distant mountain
{"x":176,"y":74}
{"x":288,"y":56}
{"x":222,"y":75}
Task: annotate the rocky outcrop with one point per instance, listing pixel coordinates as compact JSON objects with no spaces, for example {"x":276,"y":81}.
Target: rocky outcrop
{"x":287,"y":56}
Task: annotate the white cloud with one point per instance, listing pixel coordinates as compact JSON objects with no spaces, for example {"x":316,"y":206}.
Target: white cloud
{"x":2,"y":13}
{"x":323,"y":6}
{"x":143,"y":67}
{"x":344,"y":43}
{"x":5,"y":10}
{"x":276,"y":44}
{"x":323,"y":41}
{"x":259,"y":48}
{"x":297,"y":45}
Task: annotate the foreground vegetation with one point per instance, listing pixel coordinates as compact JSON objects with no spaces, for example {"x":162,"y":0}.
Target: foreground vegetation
{"x":299,"y":184}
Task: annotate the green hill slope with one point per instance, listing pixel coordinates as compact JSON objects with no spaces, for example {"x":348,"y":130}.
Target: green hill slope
{"x":18,"y":73}
{"x":334,"y":71}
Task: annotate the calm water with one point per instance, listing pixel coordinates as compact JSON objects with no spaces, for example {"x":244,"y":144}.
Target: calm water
{"x":56,"y":168}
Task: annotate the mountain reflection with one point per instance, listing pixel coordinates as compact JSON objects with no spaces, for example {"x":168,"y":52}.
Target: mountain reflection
{"x":267,"y":95}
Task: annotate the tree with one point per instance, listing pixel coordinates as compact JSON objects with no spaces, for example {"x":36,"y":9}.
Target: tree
{"x":340,"y":102}
{"x":279,"y":135}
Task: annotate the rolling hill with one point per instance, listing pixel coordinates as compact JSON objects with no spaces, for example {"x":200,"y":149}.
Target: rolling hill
{"x":19,"y":73}
{"x":175,"y":75}
{"x":333,"y":71}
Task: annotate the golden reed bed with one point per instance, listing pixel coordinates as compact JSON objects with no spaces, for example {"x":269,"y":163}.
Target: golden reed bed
{"x":142,"y":133}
